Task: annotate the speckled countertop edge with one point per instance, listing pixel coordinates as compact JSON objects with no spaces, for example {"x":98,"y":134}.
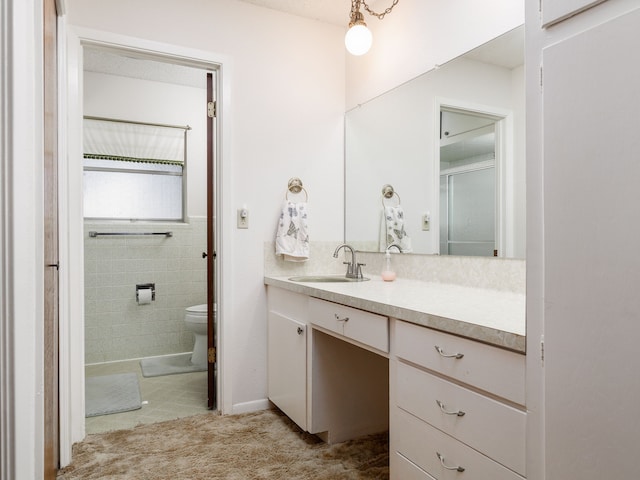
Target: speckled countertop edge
{"x":489,"y":316}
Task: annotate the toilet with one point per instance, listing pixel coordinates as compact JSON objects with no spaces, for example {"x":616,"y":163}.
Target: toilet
{"x":195,"y":320}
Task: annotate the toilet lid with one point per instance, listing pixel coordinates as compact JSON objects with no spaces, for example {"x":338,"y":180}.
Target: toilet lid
{"x":197,"y":308}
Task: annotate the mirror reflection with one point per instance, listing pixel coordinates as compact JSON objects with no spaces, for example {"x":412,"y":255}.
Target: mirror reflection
{"x":450,"y":145}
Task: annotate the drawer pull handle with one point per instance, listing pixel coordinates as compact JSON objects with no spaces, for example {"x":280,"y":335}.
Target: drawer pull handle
{"x":444,"y":410}
{"x":445,"y":355}
{"x":441,"y":458}
{"x":300,"y":331}
{"x":345,"y":319}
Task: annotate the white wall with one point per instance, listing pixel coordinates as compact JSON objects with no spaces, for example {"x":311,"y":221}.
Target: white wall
{"x":420,"y":34}
{"x":287,"y":103}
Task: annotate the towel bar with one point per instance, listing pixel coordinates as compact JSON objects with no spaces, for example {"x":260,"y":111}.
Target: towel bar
{"x":389,"y":192}
{"x":114,"y":234}
{"x":295,"y":186}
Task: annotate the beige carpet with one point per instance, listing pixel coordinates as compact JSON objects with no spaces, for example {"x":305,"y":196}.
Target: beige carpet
{"x":261,"y":445}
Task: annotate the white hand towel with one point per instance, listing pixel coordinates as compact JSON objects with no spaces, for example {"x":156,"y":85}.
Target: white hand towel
{"x":394,"y":228}
{"x":292,"y":236}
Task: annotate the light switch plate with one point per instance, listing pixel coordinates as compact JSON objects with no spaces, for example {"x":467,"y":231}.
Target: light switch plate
{"x":243,"y":218}
{"x":426,"y":222}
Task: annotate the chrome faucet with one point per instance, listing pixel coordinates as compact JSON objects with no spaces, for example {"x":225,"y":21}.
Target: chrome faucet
{"x":354,"y":269}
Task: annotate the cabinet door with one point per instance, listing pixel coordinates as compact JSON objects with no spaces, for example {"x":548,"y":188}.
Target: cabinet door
{"x":591,"y":262}
{"x":554,"y":11}
{"x":287,"y":367}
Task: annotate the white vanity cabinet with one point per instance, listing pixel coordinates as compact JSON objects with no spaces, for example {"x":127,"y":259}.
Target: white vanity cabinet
{"x":456,"y":406}
{"x":453,"y":405}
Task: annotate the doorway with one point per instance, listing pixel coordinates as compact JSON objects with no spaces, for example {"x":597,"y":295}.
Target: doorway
{"x":132,"y":189}
{"x":72,"y":325}
{"x":471,"y":154}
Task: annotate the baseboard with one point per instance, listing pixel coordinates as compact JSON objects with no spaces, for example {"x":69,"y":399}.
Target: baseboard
{"x":253,"y":406}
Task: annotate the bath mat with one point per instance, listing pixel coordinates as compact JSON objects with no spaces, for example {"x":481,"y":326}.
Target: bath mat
{"x":108,"y":394}
{"x":170,"y":365}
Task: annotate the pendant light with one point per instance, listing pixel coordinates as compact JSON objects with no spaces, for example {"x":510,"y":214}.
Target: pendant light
{"x":358,"y":39}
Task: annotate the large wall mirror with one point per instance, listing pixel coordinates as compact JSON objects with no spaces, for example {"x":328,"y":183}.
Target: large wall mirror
{"x":437,"y":165}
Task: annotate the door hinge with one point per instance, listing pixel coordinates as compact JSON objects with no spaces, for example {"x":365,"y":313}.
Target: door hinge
{"x":211,"y":109}
{"x":542,"y":348}
{"x":211,"y":357}
{"x":541,"y":78}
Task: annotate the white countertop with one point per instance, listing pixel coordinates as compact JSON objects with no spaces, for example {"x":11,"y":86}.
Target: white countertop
{"x":490,"y":316}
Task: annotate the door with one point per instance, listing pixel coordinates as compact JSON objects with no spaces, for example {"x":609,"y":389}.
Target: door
{"x":212,"y":303}
{"x":468,"y":195}
{"x":468,"y":212}
{"x":50,"y":167}
{"x":591,"y":266}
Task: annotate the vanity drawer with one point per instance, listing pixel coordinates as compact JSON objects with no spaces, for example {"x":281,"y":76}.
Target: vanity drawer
{"x":288,"y":304}
{"x":365,"y":327}
{"x":488,"y":368}
{"x":428,"y":397}
{"x":433,"y":451}
{"x":403,"y":469}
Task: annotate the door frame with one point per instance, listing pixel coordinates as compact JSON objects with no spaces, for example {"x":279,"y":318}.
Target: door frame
{"x":51,"y":261}
{"x":72,"y":406}
{"x":504,"y":131}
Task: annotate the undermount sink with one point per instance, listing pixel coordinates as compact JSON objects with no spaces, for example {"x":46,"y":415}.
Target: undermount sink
{"x":326,"y":279}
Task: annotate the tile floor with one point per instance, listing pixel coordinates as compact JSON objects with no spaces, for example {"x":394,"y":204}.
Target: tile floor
{"x":168,"y":397}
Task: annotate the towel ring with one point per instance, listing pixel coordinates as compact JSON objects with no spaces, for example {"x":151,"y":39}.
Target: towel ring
{"x":389,"y":192}
{"x":295,"y":186}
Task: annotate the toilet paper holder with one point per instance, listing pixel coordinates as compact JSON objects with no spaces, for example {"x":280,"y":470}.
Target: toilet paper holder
{"x":146,"y":286}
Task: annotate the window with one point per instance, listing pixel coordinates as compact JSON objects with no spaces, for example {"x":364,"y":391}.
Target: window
{"x":133,"y":171}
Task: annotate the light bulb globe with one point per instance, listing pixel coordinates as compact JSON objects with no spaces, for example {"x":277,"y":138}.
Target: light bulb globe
{"x":358,"y":39}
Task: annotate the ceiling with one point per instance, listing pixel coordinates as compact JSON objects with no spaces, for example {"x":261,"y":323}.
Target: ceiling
{"x":335,"y":12}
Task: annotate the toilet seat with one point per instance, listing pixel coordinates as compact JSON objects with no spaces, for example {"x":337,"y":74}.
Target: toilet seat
{"x":196,"y":314}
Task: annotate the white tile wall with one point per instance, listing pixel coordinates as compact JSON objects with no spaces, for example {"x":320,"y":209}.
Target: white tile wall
{"x":116,"y":327}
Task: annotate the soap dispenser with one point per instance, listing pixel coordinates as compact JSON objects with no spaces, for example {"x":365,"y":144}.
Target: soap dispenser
{"x":388,"y":274}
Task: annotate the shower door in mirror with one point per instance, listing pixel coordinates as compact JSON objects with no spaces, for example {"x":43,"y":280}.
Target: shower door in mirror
{"x":467,"y":214}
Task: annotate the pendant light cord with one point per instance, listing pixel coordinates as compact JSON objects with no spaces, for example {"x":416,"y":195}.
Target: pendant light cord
{"x":355,"y":7}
